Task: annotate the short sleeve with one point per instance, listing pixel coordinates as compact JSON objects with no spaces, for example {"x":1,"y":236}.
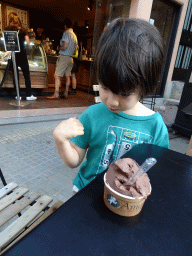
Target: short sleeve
{"x":162,"y":135}
{"x":65,"y":37}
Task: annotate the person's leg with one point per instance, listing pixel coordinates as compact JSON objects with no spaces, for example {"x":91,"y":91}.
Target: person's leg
{"x":73,"y":76}
{"x":67,"y":84}
{"x":60,"y":65}
{"x":67,"y":75}
{"x":57,"y":85}
{"x":26,"y":74}
{"x":73,"y":80}
{"x":24,"y":65}
{"x":74,"y":84}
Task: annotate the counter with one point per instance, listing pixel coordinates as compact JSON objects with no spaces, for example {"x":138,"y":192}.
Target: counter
{"x":37,"y":66}
{"x":82,"y":75}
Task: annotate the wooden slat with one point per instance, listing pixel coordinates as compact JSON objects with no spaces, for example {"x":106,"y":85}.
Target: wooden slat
{"x":9,"y":199}
{"x":6,"y":189}
{"x":13,"y":209}
{"x":7,"y":235}
{"x":51,"y":210}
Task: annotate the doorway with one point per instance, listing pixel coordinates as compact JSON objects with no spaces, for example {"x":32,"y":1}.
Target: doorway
{"x":165,"y":16}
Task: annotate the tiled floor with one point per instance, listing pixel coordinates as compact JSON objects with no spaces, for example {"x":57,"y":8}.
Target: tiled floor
{"x":43,"y":109}
{"x":27,"y":150}
{"x":28,"y":156}
{"x":81,"y":99}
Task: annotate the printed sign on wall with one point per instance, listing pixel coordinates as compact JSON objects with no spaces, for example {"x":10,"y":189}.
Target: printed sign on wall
{"x":0,"y":20}
{"x":21,"y":13}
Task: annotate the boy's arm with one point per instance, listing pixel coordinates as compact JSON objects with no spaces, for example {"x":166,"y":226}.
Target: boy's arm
{"x":71,"y":154}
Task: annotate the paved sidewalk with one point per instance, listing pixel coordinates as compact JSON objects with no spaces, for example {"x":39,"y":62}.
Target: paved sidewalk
{"x":28,"y":156}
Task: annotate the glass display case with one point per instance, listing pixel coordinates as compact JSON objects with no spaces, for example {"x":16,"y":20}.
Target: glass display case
{"x":37,"y":65}
{"x":36,"y":57}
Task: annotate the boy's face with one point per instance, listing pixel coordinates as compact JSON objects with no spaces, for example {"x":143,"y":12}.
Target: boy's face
{"x":118,"y":102}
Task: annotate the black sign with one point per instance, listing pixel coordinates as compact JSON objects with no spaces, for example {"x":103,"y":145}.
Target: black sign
{"x":11,"y":41}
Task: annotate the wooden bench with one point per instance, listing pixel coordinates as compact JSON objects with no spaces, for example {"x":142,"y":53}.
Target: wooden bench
{"x":20,"y":211}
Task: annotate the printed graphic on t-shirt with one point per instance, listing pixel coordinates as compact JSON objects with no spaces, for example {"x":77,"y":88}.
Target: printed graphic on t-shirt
{"x":119,"y":141}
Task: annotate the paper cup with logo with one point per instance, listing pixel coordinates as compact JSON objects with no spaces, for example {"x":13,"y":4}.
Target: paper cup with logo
{"x":121,"y":204}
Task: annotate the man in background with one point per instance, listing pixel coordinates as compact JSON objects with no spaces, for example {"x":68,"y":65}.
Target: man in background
{"x":68,"y":45}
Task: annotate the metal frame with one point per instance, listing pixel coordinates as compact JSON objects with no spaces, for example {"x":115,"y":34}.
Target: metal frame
{"x":2,"y":178}
{"x":150,"y":100}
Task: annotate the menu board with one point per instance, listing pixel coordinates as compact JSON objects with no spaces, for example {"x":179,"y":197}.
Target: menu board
{"x":11,"y":41}
{"x":21,"y":13}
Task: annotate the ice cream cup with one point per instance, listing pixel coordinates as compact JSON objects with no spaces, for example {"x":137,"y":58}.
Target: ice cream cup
{"x":121,"y":204}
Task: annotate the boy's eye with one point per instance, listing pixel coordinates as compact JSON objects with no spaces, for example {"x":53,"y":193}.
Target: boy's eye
{"x":125,"y":94}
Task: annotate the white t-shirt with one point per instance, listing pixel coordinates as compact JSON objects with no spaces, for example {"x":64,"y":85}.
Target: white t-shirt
{"x":69,"y":37}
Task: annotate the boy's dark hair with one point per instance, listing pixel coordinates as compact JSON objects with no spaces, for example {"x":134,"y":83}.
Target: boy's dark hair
{"x":68,"y":23}
{"x":129,"y":57}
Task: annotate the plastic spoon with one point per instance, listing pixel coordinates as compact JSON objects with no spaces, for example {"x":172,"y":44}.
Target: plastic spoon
{"x":149,"y":162}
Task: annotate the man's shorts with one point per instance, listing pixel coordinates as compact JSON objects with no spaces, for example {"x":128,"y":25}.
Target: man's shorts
{"x":75,"y":66}
{"x":64,"y":66}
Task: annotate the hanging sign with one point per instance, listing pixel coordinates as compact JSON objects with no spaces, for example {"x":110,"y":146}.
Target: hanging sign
{"x":11,"y":41}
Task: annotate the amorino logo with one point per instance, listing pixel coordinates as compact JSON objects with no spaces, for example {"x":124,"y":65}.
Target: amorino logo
{"x":113,"y":201}
{"x":131,"y":207}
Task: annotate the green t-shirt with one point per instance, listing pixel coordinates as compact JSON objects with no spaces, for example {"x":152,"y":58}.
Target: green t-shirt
{"x":109,"y":135}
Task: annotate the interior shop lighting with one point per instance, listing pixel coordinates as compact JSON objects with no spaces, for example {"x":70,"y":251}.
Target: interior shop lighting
{"x":35,"y":64}
{"x":89,"y":7}
{"x":31,"y":43}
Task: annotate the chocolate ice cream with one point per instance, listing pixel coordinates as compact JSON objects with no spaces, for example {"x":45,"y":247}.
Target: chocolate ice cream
{"x":120,"y":172}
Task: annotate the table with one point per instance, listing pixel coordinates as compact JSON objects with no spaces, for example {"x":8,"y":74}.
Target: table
{"x":85,"y":226}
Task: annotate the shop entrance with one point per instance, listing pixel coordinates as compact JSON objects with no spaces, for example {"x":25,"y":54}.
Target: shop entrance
{"x":164,"y":15}
{"x":42,"y":55}
{"x":185,"y":48}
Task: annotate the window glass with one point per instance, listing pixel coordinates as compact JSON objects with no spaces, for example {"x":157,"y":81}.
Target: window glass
{"x":162,"y":17}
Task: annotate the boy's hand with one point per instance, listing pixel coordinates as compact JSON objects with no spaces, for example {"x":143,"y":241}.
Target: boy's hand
{"x":68,"y":129}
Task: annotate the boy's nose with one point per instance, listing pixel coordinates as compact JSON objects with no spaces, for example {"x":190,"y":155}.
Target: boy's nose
{"x":113,"y":100}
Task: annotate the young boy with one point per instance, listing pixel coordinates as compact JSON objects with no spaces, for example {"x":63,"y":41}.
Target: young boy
{"x":128,"y":59}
